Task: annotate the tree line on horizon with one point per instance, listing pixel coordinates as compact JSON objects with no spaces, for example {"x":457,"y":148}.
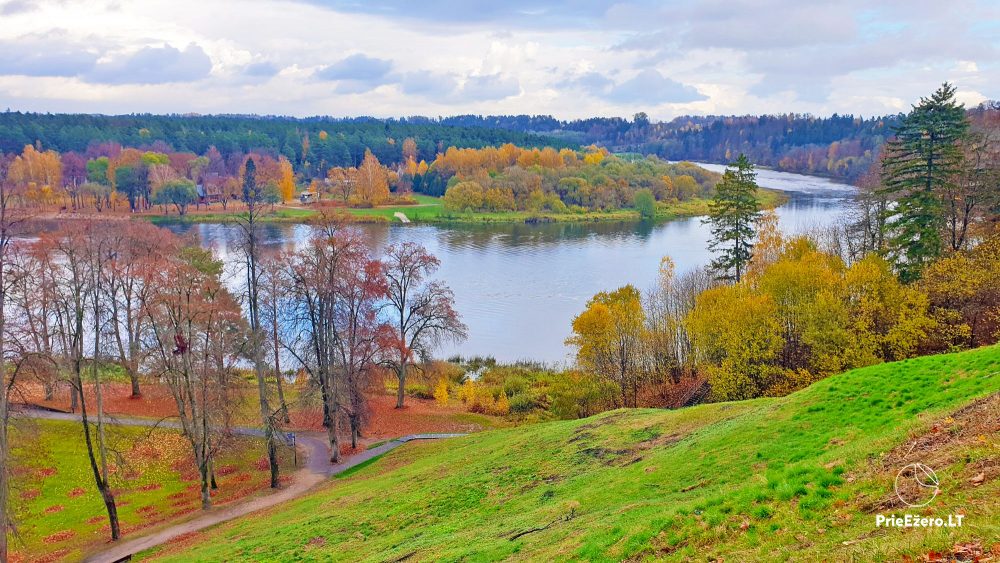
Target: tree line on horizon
{"x":840,"y":146}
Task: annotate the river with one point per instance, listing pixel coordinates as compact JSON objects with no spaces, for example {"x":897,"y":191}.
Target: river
{"x":519,"y":286}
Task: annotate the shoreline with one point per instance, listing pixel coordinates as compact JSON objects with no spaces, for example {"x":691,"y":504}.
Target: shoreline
{"x":769,"y":199}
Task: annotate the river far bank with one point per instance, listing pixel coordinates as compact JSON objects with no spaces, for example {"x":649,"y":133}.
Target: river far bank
{"x":431,"y":210}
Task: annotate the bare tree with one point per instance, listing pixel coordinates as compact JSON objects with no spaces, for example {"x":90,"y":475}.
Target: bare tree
{"x":274,"y":297}
{"x":81,"y":252}
{"x":253,"y":197}
{"x":314,"y":272}
{"x":422,"y":310}
{"x":195,"y":328}
{"x":138,"y":247}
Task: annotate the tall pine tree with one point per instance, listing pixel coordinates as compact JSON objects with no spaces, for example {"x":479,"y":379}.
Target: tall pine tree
{"x":733,"y":214}
{"x":922,"y":164}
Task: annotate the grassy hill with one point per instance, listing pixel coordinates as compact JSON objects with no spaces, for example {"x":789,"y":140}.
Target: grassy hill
{"x":800,"y":478}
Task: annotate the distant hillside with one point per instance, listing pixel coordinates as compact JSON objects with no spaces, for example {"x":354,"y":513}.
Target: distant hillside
{"x":800,"y":477}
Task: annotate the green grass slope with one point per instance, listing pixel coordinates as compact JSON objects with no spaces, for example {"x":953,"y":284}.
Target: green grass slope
{"x":795,"y":478}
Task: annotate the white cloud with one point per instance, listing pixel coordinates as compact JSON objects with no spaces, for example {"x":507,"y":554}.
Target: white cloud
{"x":569,"y":58}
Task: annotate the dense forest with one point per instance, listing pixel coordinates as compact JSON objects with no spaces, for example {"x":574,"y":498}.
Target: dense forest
{"x":312,"y":145}
{"x":842,"y":146}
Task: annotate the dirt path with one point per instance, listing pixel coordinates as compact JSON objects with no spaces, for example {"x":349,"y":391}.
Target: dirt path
{"x":317,"y":469}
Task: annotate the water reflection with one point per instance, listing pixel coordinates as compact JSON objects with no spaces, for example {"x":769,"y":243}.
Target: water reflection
{"x":519,"y":286}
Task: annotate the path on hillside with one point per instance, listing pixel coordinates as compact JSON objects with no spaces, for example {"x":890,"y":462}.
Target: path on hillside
{"x":317,"y":469}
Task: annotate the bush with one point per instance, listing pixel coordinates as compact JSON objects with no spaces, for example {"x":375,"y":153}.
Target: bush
{"x":645,"y":203}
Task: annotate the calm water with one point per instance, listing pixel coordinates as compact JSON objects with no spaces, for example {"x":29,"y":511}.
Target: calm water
{"x":519,"y":286}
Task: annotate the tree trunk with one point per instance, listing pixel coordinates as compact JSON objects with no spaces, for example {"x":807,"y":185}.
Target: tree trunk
{"x":401,"y":389}
{"x":277,"y":373}
{"x":206,"y":495}
{"x":354,"y":432}
{"x":134,"y":378}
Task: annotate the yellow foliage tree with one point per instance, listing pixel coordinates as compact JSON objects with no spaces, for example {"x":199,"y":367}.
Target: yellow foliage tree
{"x":372,"y":184}
{"x":736,"y":336}
{"x":608,"y":336}
{"x":37,"y":174}
{"x":286,"y":182}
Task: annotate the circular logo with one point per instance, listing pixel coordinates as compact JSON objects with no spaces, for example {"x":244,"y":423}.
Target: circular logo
{"x":917,"y":485}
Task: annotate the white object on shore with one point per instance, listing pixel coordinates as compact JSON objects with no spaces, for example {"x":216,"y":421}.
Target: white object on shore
{"x":401,"y":216}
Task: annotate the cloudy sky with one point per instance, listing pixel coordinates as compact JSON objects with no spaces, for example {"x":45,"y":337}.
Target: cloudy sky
{"x":568,"y":58}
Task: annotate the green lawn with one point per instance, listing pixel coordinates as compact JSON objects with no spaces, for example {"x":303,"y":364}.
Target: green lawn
{"x":794,"y":478}
{"x":59,"y":512}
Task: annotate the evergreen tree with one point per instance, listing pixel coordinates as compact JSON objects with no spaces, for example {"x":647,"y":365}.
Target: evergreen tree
{"x":250,"y":182}
{"x":921,"y":165}
{"x":733,"y":214}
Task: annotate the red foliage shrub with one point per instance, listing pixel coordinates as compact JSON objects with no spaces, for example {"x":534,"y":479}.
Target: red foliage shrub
{"x":59,"y":536}
{"x":54,"y":508}
{"x":262,"y":464}
{"x":226,"y":470}
{"x":77,"y":492}
{"x":58,"y":555}
{"x":30,"y":494}
{"x":46,"y":472}
{"x":150,"y":487}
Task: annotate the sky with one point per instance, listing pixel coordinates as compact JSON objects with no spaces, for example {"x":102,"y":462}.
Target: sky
{"x":566,"y":58}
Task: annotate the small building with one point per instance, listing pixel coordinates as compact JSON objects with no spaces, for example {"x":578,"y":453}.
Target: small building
{"x":210,"y":189}
{"x":307,"y":197}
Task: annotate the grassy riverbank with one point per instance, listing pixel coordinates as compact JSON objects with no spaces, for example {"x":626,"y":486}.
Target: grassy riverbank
{"x":800,"y":477}
{"x":431,"y":210}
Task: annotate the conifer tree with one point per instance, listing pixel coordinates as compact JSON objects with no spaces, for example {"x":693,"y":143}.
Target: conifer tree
{"x":733,"y":214}
{"x":922,"y":164}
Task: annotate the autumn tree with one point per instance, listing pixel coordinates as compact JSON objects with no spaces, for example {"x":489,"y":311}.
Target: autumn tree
{"x":275,"y":297}
{"x":921,"y":166}
{"x":421,"y":310}
{"x":360,"y":334}
{"x":195,"y":326}
{"x":608,"y":336}
{"x":249,"y":224}
{"x":372,"y":182}
{"x":315,"y":273}
{"x":964,"y":294}
{"x":286,"y":182}
{"x":342,"y":181}
{"x":81,"y":253}
{"x":139,"y":249}
{"x":733,"y":214}
{"x":736,"y":338}
{"x":36,"y":174}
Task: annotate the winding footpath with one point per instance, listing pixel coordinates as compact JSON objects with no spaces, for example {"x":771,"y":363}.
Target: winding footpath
{"x":317,"y":469}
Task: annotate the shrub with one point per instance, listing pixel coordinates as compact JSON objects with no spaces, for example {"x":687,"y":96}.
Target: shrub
{"x":441,"y":392}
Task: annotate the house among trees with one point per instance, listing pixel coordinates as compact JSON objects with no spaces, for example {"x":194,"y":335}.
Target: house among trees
{"x":210,"y":189}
